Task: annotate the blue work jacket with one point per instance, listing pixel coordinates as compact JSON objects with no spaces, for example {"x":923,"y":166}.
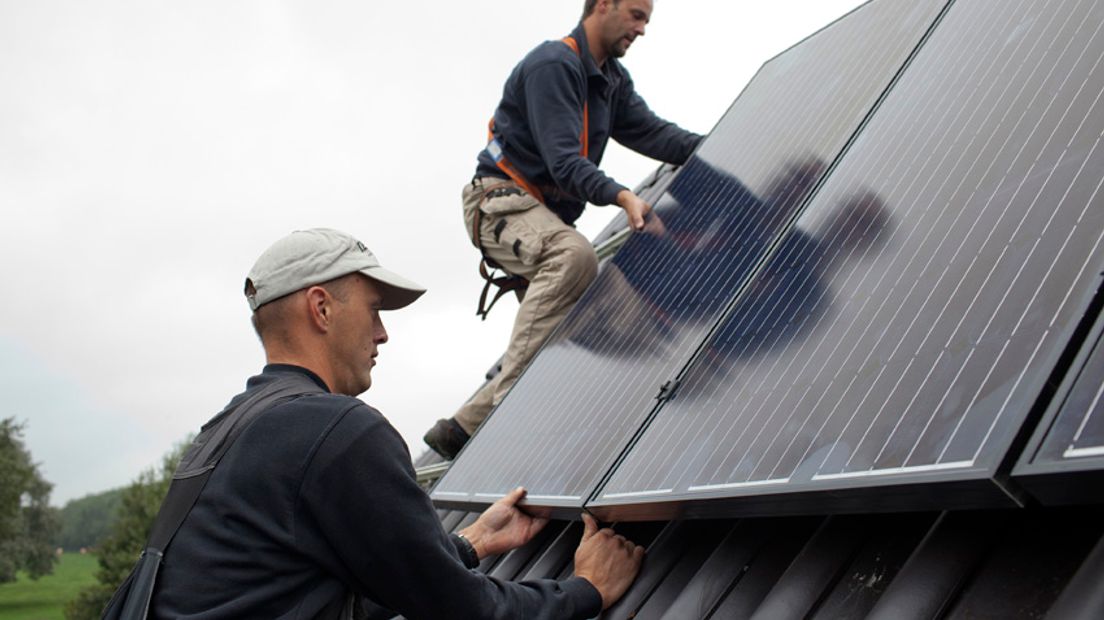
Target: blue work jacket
{"x":539,"y":122}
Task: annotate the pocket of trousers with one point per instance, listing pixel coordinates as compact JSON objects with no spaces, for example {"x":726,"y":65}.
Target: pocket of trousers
{"x":512,"y":237}
{"x":506,"y":209}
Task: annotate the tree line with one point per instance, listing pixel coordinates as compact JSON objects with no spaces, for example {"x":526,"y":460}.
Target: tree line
{"x":87,"y":521}
{"x":117,"y":553}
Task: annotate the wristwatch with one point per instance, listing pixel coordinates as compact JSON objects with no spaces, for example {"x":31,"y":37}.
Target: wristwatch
{"x":467,"y":552}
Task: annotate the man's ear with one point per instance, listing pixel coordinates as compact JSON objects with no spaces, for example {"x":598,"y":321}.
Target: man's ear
{"x":319,"y":308}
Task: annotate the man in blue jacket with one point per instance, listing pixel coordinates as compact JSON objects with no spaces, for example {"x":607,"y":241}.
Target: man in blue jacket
{"x":560,"y":106}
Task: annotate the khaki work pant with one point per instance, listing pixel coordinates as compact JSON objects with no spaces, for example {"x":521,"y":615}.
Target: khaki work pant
{"x":533,"y":243}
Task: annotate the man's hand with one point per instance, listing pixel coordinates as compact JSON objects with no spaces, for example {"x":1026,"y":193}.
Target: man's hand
{"x":502,"y":527}
{"x":607,"y":560}
{"x":634,"y":207}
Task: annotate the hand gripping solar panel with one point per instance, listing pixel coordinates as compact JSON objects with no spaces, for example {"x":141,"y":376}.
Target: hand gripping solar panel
{"x":908,"y":324}
{"x":1064,"y":462}
{"x":588,"y":391}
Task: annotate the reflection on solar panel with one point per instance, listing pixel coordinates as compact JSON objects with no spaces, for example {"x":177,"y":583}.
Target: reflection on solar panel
{"x":906,"y":326}
{"x":1070,"y":440}
{"x":594,"y":383}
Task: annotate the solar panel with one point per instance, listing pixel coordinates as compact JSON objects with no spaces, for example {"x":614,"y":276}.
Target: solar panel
{"x":587,"y":393}
{"x":904,"y":329}
{"x":1064,"y":462}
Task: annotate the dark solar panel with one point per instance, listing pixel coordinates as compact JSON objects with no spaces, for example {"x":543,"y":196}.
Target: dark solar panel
{"x":593,"y":384}
{"x":909,"y":322}
{"x":1070,"y":438}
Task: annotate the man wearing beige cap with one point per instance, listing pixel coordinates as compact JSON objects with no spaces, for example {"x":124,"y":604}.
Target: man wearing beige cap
{"x":313,"y":510}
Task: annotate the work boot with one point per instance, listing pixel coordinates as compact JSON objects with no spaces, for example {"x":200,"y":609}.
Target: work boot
{"x":446,"y":438}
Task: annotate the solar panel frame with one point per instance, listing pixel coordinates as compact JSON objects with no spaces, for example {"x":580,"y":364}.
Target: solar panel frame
{"x":960,"y":485}
{"x":465,"y":494}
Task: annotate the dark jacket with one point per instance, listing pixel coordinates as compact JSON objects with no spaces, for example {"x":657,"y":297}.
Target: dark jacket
{"x":539,"y":122}
{"x":316,"y":498}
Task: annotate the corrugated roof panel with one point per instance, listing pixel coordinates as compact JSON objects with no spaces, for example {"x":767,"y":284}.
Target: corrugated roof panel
{"x":1034,"y":557}
{"x":1083,"y":597}
{"x":887,"y":544}
{"x":974,"y":564}
{"x":947,"y":557}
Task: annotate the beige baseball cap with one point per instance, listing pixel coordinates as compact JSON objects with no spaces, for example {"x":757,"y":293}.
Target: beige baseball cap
{"x":309,"y":257}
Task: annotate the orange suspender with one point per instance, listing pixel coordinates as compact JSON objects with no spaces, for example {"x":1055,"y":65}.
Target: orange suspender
{"x":512,"y":172}
{"x":584,"y":139}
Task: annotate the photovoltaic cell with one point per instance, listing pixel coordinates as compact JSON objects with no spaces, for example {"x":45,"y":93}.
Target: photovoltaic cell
{"x":585,"y":395}
{"x":907,"y":324}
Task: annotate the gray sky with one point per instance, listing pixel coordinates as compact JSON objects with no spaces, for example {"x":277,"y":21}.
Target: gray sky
{"x":150,"y":150}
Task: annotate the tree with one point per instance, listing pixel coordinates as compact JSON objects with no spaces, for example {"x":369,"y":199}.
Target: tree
{"x":118,"y":552}
{"x":28,"y":525}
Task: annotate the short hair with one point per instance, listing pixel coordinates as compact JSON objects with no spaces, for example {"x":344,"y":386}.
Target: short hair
{"x":588,"y":7}
{"x":269,"y":321}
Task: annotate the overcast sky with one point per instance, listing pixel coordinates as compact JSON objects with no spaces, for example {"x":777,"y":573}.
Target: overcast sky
{"x":150,"y":150}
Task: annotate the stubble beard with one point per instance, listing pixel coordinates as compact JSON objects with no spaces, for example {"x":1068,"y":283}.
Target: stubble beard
{"x":618,"y":49}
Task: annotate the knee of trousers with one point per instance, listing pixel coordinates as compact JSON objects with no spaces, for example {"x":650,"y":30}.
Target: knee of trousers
{"x":579,"y":263}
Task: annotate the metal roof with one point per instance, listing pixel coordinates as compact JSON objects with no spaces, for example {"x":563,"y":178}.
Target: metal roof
{"x":1034,"y":562}
{"x":1027,"y":563}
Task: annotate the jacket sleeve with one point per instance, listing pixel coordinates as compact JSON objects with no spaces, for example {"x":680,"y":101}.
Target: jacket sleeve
{"x":638,"y":128}
{"x":360,"y":488}
{"x":554,"y":98}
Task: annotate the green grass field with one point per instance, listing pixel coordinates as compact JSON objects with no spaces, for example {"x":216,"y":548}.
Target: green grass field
{"x":45,"y":599}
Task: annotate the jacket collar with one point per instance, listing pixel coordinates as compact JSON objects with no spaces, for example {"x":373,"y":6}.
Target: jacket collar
{"x":272,"y":369}
{"x":591,"y":66}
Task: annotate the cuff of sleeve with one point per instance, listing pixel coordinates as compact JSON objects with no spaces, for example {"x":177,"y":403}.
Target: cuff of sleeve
{"x":587,"y":599}
{"x":608,"y":195}
{"x":467,"y":552}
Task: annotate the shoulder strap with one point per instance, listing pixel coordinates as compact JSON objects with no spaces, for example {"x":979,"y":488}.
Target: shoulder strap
{"x":504,"y":164}
{"x":213,"y":441}
{"x":585,"y":138}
